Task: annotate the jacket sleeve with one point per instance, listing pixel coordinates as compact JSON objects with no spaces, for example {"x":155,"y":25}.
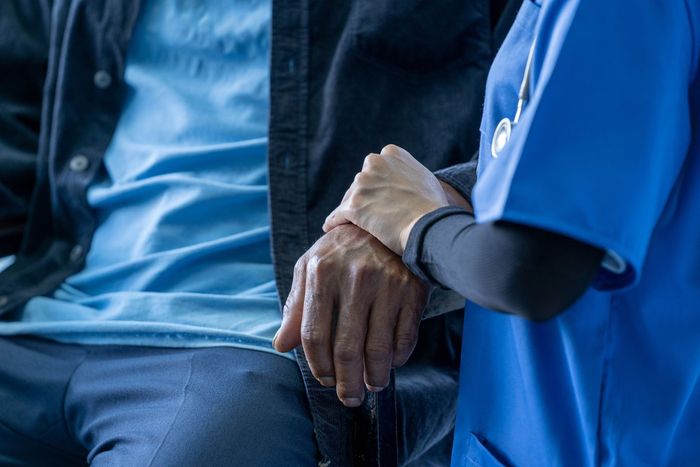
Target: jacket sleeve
{"x":24,"y":36}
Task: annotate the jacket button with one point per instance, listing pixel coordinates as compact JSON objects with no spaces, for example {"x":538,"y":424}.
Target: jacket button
{"x":79,"y":163}
{"x":102,"y":79}
{"x":3,"y":300}
{"x":76,"y":253}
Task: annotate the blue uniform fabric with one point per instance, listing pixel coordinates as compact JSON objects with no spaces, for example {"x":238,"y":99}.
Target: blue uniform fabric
{"x":181,"y":255}
{"x":607,"y":152}
{"x":71,"y":405}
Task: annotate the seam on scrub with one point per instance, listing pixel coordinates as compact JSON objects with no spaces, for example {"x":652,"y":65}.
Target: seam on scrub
{"x":668,"y":451}
{"x":177,"y":414}
{"x":604,"y":380}
{"x":67,"y":425}
{"x":693,"y":32}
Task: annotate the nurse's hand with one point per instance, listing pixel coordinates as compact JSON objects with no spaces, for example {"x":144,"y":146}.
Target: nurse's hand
{"x":391,"y":193}
{"x":355,"y":308}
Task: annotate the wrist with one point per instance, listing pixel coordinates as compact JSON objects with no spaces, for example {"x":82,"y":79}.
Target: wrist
{"x":406,"y":231}
{"x":455,"y":198}
{"x":405,"y":234}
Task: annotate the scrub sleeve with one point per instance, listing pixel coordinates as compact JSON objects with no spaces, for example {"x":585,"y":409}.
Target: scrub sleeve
{"x":604,"y":135}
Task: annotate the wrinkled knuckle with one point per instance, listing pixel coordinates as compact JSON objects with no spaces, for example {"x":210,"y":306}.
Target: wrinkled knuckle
{"x":391,"y":149}
{"x":300,"y":266}
{"x":405,"y":344}
{"x":319,"y":266}
{"x":367,"y":180}
{"x":346,"y":353}
{"x":311,"y":337}
{"x":375,"y":161}
{"x":379,"y":351}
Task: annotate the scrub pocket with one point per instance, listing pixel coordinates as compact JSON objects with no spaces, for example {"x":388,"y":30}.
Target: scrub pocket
{"x":478,"y":455}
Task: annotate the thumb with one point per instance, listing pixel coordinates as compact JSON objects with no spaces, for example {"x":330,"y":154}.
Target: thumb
{"x":334,"y":219}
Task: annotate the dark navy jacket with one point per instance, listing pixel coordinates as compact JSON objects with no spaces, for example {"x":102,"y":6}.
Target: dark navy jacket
{"x":347,"y":77}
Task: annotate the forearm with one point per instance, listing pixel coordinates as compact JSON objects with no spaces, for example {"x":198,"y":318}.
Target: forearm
{"x":501,"y":266}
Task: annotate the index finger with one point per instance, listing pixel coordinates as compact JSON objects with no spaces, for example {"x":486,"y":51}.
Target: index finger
{"x":317,"y":324}
{"x":289,"y":334}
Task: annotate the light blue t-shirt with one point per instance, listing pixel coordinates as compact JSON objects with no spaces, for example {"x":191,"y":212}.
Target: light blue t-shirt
{"x":607,"y":152}
{"x":181,"y":256}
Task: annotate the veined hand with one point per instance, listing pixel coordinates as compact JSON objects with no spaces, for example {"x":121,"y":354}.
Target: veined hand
{"x":391,"y":193}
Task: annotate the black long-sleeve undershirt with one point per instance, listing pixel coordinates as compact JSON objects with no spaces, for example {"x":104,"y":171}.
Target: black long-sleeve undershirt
{"x":501,"y":266}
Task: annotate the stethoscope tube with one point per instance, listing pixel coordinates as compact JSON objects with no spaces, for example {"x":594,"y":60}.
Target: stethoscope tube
{"x":501,"y":136}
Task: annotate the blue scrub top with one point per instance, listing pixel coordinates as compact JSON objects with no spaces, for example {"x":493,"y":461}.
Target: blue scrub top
{"x":607,"y":152}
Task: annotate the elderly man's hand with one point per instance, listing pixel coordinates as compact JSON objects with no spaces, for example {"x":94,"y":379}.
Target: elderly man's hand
{"x":355,"y":308}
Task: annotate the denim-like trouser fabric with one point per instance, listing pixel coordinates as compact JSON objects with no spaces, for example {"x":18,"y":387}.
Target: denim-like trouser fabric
{"x":135,"y":406}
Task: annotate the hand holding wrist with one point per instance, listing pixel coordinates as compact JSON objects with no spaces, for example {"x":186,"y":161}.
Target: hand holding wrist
{"x":388,"y":196}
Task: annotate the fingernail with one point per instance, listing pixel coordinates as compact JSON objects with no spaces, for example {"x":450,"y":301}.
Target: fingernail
{"x":274,"y":339}
{"x":352,"y":402}
{"x":374,"y":388}
{"x":327,"y":381}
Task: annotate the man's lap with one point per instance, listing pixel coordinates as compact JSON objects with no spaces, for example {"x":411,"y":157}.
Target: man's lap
{"x":111,"y":405}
